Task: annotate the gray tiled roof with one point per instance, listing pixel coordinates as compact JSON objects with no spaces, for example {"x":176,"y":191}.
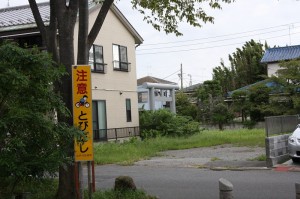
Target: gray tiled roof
{"x":281,"y":53}
{"x":150,"y":79}
{"x":22,"y":15}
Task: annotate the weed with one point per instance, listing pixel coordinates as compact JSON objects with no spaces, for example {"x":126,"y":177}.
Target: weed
{"x":130,"y":152}
{"x":214,"y":159}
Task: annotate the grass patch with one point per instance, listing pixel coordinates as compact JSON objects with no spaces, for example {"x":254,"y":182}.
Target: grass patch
{"x":214,"y":159}
{"x":112,"y":194}
{"x":129,"y":152}
{"x":261,"y":157}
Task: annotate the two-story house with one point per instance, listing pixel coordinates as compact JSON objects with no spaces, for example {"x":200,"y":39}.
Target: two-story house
{"x":155,"y":93}
{"x":273,"y":56}
{"x":112,"y":59}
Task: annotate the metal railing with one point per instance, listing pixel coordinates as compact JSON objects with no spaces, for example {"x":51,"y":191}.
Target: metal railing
{"x":115,"y":133}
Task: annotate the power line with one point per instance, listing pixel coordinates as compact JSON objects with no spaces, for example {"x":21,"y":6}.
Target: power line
{"x":171,"y":74}
{"x":212,"y":41}
{"x":222,"y":35}
{"x":202,"y":48}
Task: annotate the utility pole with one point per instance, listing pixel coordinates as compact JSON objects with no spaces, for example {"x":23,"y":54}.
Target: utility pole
{"x":181,"y":76}
{"x":190,"y":83}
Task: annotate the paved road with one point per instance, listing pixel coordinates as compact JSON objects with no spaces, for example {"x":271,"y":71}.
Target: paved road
{"x":193,"y":183}
{"x":188,"y":174}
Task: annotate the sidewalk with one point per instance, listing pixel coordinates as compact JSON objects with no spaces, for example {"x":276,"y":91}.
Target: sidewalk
{"x":288,"y":166}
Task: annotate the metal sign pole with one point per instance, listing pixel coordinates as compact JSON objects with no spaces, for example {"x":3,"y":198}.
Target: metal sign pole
{"x":90,"y":182}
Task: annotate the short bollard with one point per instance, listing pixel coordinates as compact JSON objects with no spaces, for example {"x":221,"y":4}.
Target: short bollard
{"x":226,"y":189}
{"x":297,"y":186}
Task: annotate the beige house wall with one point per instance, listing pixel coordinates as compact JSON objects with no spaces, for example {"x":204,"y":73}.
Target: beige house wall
{"x":115,"y":86}
{"x":272,"y":69}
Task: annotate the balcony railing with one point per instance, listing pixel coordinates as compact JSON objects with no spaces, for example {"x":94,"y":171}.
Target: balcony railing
{"x":115,"y":133}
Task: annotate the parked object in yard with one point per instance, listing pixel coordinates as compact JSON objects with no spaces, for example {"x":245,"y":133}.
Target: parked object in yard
{"x":294,"y":145}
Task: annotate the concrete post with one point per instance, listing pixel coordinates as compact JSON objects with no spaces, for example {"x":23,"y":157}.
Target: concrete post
{"x":297,"y":186}
{"x":173,"y":102}
{"x":226,"y":189}
{"x":152,"y":98}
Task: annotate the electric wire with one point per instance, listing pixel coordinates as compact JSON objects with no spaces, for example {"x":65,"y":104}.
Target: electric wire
{"x":255,"y":30}
{"x":209,"y":47}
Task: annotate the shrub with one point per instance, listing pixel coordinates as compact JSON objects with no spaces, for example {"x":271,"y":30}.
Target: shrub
{"x":249,"y":124}
{"x":164,"y":123}
{"x":124,"y":183}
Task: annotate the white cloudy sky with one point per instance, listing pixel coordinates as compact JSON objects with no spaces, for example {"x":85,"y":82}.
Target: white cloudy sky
{"x":199,"y":50}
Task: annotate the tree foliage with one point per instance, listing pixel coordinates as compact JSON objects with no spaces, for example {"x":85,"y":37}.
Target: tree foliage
{"x":164,"y":123}
{"x":245,"y":67}
{"x":289,"y":76}
{"x":221,"y":115}
{"x":209,"y":94}
{"x":31,"y":140}
{"x":184,"y":107}
{"x":166,"y":15}
{"x":241,"y":103}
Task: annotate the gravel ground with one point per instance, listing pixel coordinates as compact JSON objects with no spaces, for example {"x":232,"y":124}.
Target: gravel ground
{"x":225,"y":156}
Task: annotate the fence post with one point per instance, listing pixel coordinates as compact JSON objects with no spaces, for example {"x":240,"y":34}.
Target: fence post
{"x":116,"y":134}
{"x":297,"y":186}
{"x":226,"y":189}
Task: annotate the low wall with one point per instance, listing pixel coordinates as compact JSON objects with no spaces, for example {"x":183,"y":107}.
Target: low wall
{"x":259,"y":125}
{"x":281,"y":124}
{"x":277,"y":149}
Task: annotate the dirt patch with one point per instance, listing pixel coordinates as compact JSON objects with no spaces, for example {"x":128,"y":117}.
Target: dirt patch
{"x":208,"y":157}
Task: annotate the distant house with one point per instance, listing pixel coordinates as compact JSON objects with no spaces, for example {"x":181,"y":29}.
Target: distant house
{"x":112,"y":59}
{"x":155,"y":93}
{"x":190,"y":91}
{"x":273,"y":56}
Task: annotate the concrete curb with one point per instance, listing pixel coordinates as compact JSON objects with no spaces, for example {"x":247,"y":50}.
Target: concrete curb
{"x":239,"y":168}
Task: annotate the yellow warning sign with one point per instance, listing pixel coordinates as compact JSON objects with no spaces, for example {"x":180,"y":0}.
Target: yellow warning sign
{"x":82,"y":112}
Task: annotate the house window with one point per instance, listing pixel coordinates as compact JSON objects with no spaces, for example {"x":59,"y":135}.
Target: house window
{"x":128,"y":110}
{"x":99,"y":120}
{"x":96,"y":59}
{"x":142,"y":97}
{"x":120,"y":60}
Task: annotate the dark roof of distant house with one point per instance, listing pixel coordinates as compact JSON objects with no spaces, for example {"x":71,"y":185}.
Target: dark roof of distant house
{"x":281,"y":54}
{"x":150,"y":79}
{"x":276,"y":87}
{"x":192,"y":87}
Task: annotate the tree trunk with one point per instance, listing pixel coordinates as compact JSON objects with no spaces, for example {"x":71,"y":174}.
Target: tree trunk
{"x":66,"y":22}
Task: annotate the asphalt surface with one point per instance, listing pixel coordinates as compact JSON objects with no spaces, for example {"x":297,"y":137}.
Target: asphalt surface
{"x":194,"y":183}
{"x":194,"y":174}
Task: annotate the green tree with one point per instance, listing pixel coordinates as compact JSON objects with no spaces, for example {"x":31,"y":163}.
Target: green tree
{"x":245,"y":67}
{"x":184,"y":107}
{"x":259,"y":99}
{"x":246,"y":63}
{"x":31,"y":139}
{"x":163,"y":15}
{"x":225,"y":76}
{"x":221,"y":115}
{"x":208,"y":94}
{"x":289,"y":76}
{"x":241,"y":103}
